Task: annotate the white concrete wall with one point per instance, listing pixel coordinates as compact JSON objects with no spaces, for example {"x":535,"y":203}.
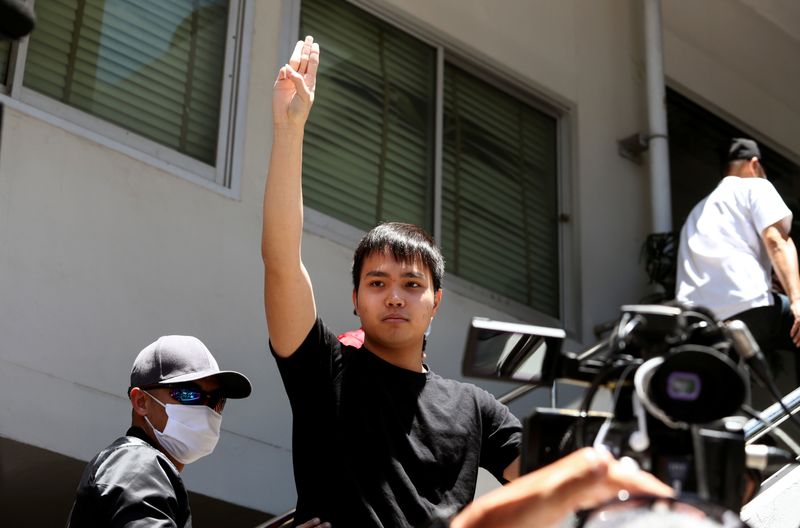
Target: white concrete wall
{"x":734,"y":59}
{"x":100,"y":254}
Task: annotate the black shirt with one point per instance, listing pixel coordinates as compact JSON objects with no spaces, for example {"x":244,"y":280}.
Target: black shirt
{"x":379,"y":445}
{"x":131,"y":484}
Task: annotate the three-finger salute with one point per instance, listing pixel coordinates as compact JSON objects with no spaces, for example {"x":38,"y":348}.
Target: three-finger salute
{"x":293,"y":93}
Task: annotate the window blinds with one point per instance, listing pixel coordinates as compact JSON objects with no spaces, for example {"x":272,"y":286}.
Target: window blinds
{"x":152,"y":67}
{"x":370,"y":136}
{"x":499,"y":211}
{"x":369,"y":154}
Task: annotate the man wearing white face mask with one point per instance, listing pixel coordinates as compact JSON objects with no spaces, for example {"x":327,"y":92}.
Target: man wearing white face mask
{"x":177,"y":392}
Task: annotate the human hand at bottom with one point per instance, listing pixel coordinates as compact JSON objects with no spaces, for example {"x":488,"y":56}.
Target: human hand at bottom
{"x":581,"y":480}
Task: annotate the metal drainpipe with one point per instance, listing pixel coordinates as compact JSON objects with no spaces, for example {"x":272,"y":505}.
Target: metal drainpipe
{"x":660,"y":199}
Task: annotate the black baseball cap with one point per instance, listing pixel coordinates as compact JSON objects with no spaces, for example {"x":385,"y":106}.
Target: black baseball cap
{"x":176,"y":358}
{"x":742,"y":149}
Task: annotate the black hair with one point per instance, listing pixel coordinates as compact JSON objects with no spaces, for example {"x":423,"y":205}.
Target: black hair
{"x":406,"y":243}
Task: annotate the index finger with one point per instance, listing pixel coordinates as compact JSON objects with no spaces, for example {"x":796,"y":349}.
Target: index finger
{"x":304,"y":54}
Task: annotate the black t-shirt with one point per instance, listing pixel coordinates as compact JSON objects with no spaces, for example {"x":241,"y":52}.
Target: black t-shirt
{"x":378,"y":445}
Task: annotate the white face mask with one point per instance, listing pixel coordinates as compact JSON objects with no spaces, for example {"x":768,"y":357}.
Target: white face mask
{"x":192,"y":431}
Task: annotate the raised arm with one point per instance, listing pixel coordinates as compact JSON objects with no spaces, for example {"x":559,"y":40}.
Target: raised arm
{"x":288,"y":296}
{"x":783,"y":255}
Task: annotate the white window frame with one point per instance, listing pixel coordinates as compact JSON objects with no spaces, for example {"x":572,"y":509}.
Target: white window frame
{"x":224,"y":177}
{"x":472,"y":60}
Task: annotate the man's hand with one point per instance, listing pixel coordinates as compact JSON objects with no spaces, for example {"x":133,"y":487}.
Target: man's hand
{"x":583,"y":479}
{"x":795,"y":332}
{"x":293,"y":93}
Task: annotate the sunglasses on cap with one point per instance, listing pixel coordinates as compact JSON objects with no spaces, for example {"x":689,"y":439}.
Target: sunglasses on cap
{"x":192,"y":394}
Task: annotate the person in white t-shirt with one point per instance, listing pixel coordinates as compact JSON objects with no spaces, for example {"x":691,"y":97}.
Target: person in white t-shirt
{"x":728,"y":246}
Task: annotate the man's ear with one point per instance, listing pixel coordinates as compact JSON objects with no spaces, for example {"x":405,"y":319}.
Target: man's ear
{"x":138,"y":401}
{"x":759,"y":168}
{"x":355,"y":302}
{"x":437,"y":300}
{"x":754,"y":164}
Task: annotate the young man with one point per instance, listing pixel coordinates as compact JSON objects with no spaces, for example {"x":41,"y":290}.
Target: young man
{"x":378,"y":439}
{"x":177,"y":392}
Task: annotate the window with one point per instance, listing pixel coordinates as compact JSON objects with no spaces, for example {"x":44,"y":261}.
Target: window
{"x":371,"y":154}
{"x":499,"y":211}
{"x":153,"y":68}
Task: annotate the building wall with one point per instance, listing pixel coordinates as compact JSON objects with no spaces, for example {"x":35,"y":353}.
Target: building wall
{"x":100,"y":253}
{"x":739,"y":59}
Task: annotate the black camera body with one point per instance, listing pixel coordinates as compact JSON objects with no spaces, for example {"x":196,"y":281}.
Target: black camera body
{"x":675,"y":376}
{"x":672,"y":454}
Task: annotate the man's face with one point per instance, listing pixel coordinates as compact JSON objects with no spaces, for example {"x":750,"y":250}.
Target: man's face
{"x":395,"y":301}
{"x":158,"y":414}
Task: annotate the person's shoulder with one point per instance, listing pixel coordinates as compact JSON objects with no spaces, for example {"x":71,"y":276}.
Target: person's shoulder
{"x":758,"y":183}
{"x":132,"y":449}
{"x":751,"y":184}
{"x":747,"y":190}
{"x":319,"y":336}
{"x":762,"y":191}
{"x":129,"y":459}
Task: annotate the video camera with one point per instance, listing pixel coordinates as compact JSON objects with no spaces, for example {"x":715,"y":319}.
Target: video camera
{"x":677,"y":378}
